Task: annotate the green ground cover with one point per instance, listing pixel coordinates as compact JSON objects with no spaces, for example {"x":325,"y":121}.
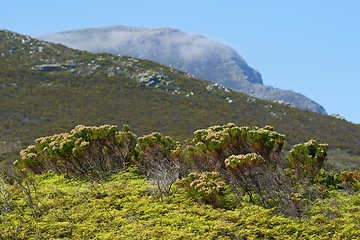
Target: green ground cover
{"x":128,"y":207}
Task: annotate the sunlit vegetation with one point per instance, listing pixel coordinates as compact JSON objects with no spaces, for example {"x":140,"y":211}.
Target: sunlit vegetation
{"x":228,"y":182}
{"x":209,"y":180}
{"x":98,"y":89}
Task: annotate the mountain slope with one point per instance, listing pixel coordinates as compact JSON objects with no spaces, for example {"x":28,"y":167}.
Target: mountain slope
{"x":194,"y":54}
{"x":47,"y":88}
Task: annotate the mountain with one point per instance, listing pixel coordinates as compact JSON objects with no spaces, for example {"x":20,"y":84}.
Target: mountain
{"x":194,"y":54}
{"x":47,"y":88}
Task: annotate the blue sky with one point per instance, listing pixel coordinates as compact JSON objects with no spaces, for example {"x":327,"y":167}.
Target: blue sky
{"x":308,"y":46}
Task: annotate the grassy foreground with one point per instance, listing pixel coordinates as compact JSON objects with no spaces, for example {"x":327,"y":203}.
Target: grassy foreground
{"x":127,"y":206}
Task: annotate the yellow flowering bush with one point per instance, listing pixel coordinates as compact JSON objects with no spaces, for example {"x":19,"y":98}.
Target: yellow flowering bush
{"x":239,"y":162}
{"x":216,"y":137}
{"x":296,"y":198}
{"x":205,"y":187}
{"x":29,"y":157}
{"x":249,"y":172}
{"x":265,"y":140}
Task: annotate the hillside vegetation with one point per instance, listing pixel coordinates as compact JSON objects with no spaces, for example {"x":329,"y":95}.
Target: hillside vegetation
{"x":47,"y":88}
{"x":228,"y":182}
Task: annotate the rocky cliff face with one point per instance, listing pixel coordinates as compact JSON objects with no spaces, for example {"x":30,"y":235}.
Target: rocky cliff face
{"x":194,"y":54}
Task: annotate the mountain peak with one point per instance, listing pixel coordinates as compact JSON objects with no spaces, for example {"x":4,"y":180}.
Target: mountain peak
{"x":187,"y":52}
{"x":192,"y":53}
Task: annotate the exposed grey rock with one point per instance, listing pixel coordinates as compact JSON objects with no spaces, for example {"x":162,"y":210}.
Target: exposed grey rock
{"x":189,"y":94}
{"x":337,"y":116}
{"x":46,"y":67}
{"x":216,"y":86}
{"x":194,"y":54}
{"x":152,"y":78}
{"x":285,"y":103}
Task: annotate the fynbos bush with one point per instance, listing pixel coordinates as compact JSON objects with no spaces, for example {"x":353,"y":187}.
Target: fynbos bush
{"x":83,"y":150}
{"x":349,"y":179}
{"x":160,"y":161}
{"x":249,"y":172}
{"x":307,"y":158}
{"x":230,"y":138}
{"x":204,"y":187}
{"x":220,"y":142}
{"x":248,"y":158}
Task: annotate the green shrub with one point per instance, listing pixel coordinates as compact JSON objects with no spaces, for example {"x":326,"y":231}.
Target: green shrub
{"x":83,"y":150}
{"x":240,"y":140}
{"x":349,"y":179}
{"x":160,"y":161}
{"x":167,"y":143}
{"x":262,"y":185}
{"x":246,"y":158}
{"x":307,"y":158}
{"x":217,"y":143}
{"x":204,"y":187}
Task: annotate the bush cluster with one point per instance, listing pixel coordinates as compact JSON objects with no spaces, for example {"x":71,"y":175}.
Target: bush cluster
{"x":247,"y":160}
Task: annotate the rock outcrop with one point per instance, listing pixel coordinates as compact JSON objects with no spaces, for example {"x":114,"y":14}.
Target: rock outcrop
{"x":337,"y":116}
{"x":46,"y":67}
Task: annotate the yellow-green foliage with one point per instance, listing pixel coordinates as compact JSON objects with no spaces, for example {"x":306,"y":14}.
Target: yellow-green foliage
{"x":125,"y":208}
